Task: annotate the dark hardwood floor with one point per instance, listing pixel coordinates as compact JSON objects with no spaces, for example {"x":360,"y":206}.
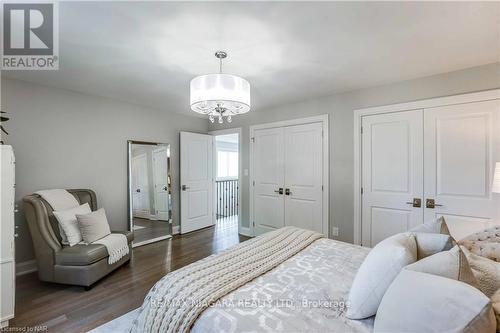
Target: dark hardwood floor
{"x":149,"y":229}
{"x":72,"y":309}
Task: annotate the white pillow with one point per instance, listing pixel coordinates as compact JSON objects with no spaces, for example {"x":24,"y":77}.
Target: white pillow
{"x":68,"y":225}
{"x":486,"y":271}
{"x":421,"y":302}
{"x":93,"y":226}
{"x":430,"y":243}
{"x":437,"y":226}
{"x":451,"y":264}
{"x":495,"y":302}
{"x":378,"y":270}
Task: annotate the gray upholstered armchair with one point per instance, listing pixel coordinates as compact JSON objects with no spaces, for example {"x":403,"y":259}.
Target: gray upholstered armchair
{"x":78,"y":265}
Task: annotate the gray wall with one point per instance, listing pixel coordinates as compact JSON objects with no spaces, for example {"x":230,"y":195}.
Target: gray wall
{"x":340,"y":108}
{"x":64,"y":139}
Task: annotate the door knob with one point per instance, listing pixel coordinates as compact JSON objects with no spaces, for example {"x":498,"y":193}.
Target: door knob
{"x":184,"y":187}
{"x":430,"y":203}
{"x":417,"y":202}
{"x":279,"y":191}
{"x":138,"y":190}
{"x":287,"y":191}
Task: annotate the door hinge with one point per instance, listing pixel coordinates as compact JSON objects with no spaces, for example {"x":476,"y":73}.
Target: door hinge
{"x":254,"y":223}
{"x":361,"y":129}
{"x":253,"y":139}
{"x":253,"y":183}
{"x":361,"y":190}
{"x":322,"y":188}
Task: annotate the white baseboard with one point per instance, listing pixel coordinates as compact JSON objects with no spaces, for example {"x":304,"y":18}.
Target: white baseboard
{"x":26,"y":267}
{"x":245,"y":231}
{"x":176,"y":229}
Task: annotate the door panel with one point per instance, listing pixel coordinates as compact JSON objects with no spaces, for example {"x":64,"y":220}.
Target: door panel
{"x":461,"y":148}
{"x":196,"y":181}
{"x":392,"y":174}
{"x":303,"y":176}
{"x":160,"y":177}
{"x":269,"y":177}
{"x":140,"y":183}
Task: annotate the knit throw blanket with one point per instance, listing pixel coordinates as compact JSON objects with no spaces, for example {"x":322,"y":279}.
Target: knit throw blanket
{"x":117,"y":246}
{"x":175,"y":301}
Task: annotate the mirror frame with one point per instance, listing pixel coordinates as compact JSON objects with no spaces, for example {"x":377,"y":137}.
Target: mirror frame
{"x":129,"y":183}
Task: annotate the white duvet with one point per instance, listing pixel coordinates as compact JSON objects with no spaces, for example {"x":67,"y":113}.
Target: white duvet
{"x":306,"y":293}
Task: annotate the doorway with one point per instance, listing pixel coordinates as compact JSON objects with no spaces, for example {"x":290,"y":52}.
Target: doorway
{"x":227,"y":178}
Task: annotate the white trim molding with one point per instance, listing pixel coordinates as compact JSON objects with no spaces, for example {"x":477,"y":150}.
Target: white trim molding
{"x":152,"y":240}
{"x":176,"y":229}
{"x":326,"y":164}
{"x":245,"y":231}
{"x":414,"y":105}
{"x":26,"y":267}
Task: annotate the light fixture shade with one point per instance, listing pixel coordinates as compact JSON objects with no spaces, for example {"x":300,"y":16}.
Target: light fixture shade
{"x":495,"y":188}
{"x":230,"y":92}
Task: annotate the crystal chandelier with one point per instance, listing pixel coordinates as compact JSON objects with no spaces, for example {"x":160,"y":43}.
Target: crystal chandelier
{"x":220,"y":95}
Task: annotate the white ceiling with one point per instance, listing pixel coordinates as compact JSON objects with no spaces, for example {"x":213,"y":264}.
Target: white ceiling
{"x":147,"y":52}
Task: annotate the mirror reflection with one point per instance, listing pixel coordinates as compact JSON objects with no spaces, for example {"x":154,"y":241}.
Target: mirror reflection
{"x":150,"y":189}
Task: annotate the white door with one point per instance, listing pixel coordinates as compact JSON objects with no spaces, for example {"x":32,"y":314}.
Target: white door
{"x":303,"y":164}
{"x":140,"y":187}
{"x":392,"y":174}
{"x":160,"y":181}
{"x":196,"y":181}
{"x":268,"y":174}
{"x":461,"y":148}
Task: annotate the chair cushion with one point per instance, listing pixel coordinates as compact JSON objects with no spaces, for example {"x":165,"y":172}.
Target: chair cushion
{"x":81,"y":254}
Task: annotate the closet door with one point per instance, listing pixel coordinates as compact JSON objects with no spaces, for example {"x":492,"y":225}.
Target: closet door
{"x":392,"y":174}
{"x":461,"y":148}
{"x":268,"y":176}
{"x":303,"y":176}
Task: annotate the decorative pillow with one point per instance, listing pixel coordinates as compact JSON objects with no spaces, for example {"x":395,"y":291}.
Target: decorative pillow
{"x":485,"y":243}
{"x":421,"y":302}
{"x":495,"y":302}
{"x":451,"y":264}
{"x":376,"y":273}
{"x":430,"y":243}
{"x":486,"y":271}
{"x":93,"y":226}
{"x":437,"y":226}
{"x":68,"y":225}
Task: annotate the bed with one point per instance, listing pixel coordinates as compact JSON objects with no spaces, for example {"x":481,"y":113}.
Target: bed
{"x":296,"y":280}
{"x":306,"y":291}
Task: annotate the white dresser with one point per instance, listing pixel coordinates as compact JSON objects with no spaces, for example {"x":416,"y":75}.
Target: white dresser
{"x":7,"y":259}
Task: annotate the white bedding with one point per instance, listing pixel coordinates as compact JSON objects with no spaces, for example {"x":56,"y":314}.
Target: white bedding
{"x":320,"y":275}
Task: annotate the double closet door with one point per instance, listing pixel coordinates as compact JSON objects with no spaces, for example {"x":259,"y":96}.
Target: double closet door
{"x":421,"y":164}
{"x":287,"y":169}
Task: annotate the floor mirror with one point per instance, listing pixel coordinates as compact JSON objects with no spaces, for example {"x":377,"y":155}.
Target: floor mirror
{"x":149,"y":191}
